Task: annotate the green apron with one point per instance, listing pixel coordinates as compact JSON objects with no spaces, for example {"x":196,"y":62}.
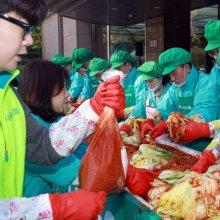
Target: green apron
{"x":151,"y":109}
{"x":130,"y":96}
{"x":185,"y":105}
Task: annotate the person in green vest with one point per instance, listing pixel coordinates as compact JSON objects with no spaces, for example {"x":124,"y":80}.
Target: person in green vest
{"x":133,"y":85}
{"x":97,"y":66}
{"x":22,"y":137}
{"x":186,"y":95}
{"x":35,"y":82}
{"x":81,"y":58}
{"x":63,"y":61}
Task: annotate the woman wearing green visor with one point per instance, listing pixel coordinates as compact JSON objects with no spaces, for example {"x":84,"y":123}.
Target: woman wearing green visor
{"x":63,"y":61}
{"x":81,"y":58}
{"x":151,"y":73}
{"x":133,"y":85}
{"x":97,"y":67}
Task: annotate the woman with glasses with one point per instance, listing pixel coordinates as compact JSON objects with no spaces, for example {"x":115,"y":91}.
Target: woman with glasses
{"x":22,"y":137}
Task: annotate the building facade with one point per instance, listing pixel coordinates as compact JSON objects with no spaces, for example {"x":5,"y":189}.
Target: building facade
{"x":145,"y":40}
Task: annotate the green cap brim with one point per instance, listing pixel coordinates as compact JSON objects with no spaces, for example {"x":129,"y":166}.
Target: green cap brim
{"x":116,"y":64}
{"x":93,"y":73}
{"x":168,"y":70}
{"x":212,"y":46}
{"x":77,"y":66}
{"x":146,"y":77}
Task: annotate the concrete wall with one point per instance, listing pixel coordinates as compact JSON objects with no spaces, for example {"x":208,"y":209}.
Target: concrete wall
{"x":84,"y":34}
{"x":74,"y":34}
{"x":69,"y":36}
{"x":50,"y":42}
{"x":154,"y":38}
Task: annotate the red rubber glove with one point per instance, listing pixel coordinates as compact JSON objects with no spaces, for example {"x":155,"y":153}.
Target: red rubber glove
{"x":110,"y":93}
{"x":195,"y":130}
{"x":76,"y":105}
{"x":158,"y":130}
{"x":206,"y":160}
{"x":146,"y":126}
{"x":77,"y":205}
{"x":125,"y":127}
{"x":139,"y":180}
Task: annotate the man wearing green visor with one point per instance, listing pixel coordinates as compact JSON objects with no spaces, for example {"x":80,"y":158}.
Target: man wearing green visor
{"x":195,"y":131}
{"x":81,"y":58}
{"x":191,"y":94}
{"x":151,"y":74}
{"x":97,"y":67}
{"x":63,"y":61}
{"x":133,"y":85}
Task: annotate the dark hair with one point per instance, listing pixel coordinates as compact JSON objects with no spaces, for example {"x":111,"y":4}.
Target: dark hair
{"x":38,"y":82}
{"x":34,"y":11}
{"x":165,"y":79}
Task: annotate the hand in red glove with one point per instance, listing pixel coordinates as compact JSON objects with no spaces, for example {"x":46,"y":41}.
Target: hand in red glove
{"x":76,"y":105}
{"x":77,"y":205}
{"x":125,"y":127}
{"x":206,"y":160}
{"x":146,"y":126}
{"x":110,"y":93}
{"x":139,"y":180}
{"x":195,"y":130}
{"x":158,"y":130}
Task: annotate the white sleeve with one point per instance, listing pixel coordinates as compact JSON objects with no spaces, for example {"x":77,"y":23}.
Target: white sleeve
{"x":26,"y":208}
{"x":67,"y":134}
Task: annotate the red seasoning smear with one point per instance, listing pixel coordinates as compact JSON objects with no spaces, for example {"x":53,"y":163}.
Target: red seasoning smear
{"x":181,"y":161}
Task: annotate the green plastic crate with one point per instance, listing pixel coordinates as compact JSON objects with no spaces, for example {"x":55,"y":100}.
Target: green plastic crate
{"x":125,"y":206}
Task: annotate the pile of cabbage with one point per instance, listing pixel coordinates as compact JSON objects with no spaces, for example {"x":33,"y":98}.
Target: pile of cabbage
{"x":195,"y":196}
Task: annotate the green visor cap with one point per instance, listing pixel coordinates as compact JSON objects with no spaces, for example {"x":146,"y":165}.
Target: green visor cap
{"x":57,"y":58}
{"x":172,"y":58}
{"x":212,"y":34}
{"x":98,"y":65}
{"x":120,"y":57}
{"x":61,"y":60}
{"x":80,"y":56}
{"x":150,"y":70}
{"x":67,"y":60}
